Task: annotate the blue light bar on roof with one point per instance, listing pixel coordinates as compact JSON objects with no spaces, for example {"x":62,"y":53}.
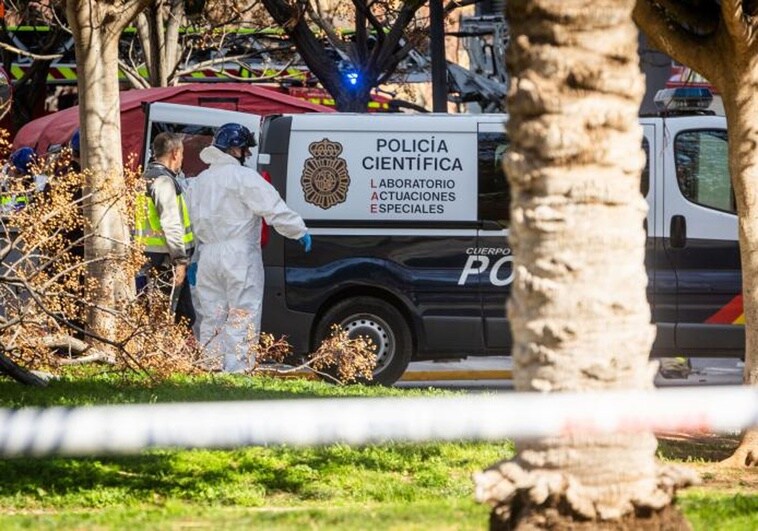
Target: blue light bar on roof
{"x":683,"y":99}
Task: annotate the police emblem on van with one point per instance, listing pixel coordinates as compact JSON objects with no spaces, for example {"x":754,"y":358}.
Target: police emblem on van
{"x":325,"y":180}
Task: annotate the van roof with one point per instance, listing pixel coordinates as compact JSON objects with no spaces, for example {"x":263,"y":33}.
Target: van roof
{"x":393,"y":122}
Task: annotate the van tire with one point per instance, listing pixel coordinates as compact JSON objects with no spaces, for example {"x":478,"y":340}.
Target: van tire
{"x":383,"y":323}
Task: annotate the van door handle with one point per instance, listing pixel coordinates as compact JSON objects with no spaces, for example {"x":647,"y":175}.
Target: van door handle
{"x":678,"y":233}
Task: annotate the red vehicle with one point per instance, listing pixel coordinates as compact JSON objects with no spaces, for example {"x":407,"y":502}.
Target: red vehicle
{"x":58,"y":128}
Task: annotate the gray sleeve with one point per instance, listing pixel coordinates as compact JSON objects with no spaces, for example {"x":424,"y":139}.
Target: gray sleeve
{"x":163,"y":192}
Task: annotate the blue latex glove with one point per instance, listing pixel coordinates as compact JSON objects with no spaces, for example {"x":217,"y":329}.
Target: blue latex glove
{"x":305,"y":241}
{"x":192,"y":274}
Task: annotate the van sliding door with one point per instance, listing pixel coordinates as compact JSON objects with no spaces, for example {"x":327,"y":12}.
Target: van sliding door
{"x":700,"y":224}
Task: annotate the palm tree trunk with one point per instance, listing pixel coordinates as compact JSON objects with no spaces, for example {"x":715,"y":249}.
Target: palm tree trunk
{"x":578,"y":309}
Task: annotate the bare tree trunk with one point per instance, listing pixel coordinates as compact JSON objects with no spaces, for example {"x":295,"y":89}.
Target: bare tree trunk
{"x":347,"y":101}
{"x":578,"y":310}
{"x":96,"y":27}
{"x":741,"y":109}
{"x":158,"y":29}
{"x":172,"y":52}
{"x":156,"y":64}
{"x":718,"y":41}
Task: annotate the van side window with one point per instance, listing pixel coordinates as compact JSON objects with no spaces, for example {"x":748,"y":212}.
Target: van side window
{"x":645,"y":181}
{"x":494,"y":192}
{"x":702,"y":170}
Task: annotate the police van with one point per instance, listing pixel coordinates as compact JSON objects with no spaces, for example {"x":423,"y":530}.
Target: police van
{"x":409,"y":218}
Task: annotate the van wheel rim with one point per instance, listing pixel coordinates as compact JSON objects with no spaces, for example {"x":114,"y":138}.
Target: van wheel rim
{"x":378,"y":331}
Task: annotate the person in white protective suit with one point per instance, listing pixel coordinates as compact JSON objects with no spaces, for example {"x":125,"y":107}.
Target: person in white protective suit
{"x":227,"y":202}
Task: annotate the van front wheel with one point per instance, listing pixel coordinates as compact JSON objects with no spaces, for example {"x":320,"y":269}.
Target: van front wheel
{"x":383,"y":324}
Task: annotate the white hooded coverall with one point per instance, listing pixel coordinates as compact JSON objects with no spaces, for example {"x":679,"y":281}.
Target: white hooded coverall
{"x":227,"y":202}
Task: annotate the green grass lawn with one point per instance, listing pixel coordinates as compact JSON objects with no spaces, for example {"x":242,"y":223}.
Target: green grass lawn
{"x":389,"y":486}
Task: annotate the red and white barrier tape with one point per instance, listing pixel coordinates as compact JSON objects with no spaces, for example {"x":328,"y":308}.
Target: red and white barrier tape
{"x":128,"y":429}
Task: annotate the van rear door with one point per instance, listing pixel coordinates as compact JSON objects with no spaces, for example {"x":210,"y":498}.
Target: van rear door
{"x":197,"y":124}
{"x":494,"y":257}
{"x":661,"y":288}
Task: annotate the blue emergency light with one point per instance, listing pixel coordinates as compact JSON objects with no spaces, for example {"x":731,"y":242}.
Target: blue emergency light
{"x":683,"y":99}
{"x":352,"y":78}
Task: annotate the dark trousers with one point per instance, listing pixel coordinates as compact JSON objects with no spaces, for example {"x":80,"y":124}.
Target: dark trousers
{"x":161,"y":274}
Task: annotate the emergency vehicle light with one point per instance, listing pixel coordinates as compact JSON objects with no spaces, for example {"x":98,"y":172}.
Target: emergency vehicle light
{"x":683,"y":99}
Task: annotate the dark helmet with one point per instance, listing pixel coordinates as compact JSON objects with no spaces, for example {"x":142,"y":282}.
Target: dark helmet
{"x":233,"y":135}
{"x":23,"y":158}
{"x":74,"y":142}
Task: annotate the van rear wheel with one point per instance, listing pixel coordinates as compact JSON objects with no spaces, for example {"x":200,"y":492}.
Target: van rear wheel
{"x":383,"y":324}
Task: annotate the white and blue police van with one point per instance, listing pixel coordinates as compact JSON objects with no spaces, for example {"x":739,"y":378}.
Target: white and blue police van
{"x":410,"y":216}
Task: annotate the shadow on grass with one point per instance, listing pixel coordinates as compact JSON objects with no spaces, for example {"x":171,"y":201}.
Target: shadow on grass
{"x":140,"y":476}
{"x":244,"y":476}
{"x":115,"y":389}
{"x":705,"y":447}
{"x":248,"y":475}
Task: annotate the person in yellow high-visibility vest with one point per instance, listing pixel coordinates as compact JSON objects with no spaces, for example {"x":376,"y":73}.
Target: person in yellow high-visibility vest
{"x":19,"y":180}
{"x":163,"y":224}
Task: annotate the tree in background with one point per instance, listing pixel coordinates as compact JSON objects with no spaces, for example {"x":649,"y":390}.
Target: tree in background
{"x":385,"y":32}
{"x":158,"y":28}
{"x":351,"y":47}
{"x":31,"y":88}
{"x":168,"y":41}
{"x":97,"y":27}
{"x":578,"y":310}
{"x":719,"y":39}
{"x":174,"y":33}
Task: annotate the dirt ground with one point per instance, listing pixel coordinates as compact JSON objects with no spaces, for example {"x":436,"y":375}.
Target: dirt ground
{"x":703,"y":452}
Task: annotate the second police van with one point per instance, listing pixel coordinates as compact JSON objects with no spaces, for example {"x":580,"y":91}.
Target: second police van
{"x":409,"y":216}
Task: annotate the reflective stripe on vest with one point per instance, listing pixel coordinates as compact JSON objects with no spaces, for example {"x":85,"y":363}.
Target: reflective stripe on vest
{"x":16,"y":201}
{"x":147,"y":224}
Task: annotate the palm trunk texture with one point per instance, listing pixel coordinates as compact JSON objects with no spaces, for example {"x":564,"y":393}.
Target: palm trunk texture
{"x":578,"y":309}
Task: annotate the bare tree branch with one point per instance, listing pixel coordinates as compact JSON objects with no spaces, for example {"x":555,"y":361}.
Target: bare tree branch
{"x":100,"y":356}
{"x":455,"y":4}
{"x":673,"y":39}
{"x":34,"y":56}
{"x":380,"y":57}
{"x":379,"y":28}
{"x":735,"y":23}
{"x":7,"y":366}
{"x":211,"y":64}
{"x":329,"y":30}
{"x":133,"y":75}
